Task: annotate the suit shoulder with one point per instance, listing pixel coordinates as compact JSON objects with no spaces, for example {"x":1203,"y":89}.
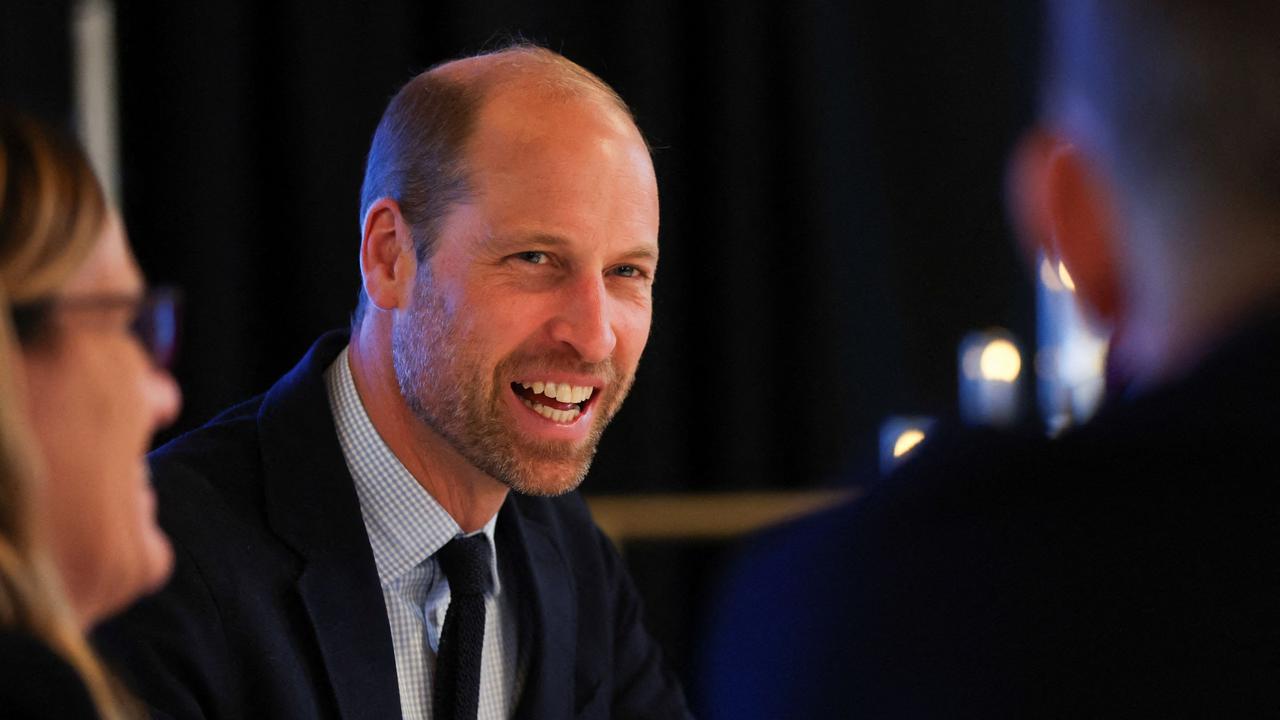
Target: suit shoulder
{"x":961,"y":478}
{"x":960,"y":469}
{"x":565,"y":513}
{"x":566,"y":521}
{"x":211,"y":476}
{"x":218,"y":447}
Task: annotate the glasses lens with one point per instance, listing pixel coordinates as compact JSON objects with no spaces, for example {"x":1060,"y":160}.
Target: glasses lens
{"x":157,"y":325}
{"x":29,"y":319}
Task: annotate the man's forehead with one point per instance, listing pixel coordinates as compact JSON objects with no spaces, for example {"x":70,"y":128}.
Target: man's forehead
{"x":526,"y":137}
{"x":548,"y":157}
{"x":525,"y":110}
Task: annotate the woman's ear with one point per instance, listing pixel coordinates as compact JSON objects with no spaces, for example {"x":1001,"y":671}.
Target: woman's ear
{"x":388,"y":260}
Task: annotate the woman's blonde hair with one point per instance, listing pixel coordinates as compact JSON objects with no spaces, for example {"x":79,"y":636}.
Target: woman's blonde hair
{"x":52,"y":212}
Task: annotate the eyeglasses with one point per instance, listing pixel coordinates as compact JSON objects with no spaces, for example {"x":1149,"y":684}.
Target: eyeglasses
{"x":153,"y":317}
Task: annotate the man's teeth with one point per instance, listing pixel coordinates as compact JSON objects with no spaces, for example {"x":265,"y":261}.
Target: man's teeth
{"x":562,"y":392}
{"x":560,"y":416}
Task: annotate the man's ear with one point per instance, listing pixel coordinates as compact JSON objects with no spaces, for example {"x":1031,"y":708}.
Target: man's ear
{"x":388,"y":261}
{"x":1063,"y":205}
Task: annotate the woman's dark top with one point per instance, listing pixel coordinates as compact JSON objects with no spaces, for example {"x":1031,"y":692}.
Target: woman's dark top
{"x":36,"y":683}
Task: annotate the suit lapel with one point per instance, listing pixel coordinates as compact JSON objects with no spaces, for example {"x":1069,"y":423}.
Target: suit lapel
{"x":312,"y":504}
{"x":549,"y":630}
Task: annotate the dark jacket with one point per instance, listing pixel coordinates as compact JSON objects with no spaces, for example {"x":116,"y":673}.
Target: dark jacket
{"x":275,"y":609}
{"x":1129,"y":569}
{"x":37,"y":684}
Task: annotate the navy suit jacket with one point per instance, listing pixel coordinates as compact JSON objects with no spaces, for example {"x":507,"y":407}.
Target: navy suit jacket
{"x":275,"y":609}
{"x":1130,"y":568}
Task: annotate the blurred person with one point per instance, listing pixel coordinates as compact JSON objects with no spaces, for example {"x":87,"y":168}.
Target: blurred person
{"x":1132,"y":566}
{"x":81,"y":398}
{"x":509,"y":220}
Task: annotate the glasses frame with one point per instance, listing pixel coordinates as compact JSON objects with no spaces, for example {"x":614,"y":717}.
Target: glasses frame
{"x":154,"y":322}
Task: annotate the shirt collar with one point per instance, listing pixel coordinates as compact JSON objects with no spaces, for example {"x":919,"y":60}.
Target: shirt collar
{"x":406,"y":525}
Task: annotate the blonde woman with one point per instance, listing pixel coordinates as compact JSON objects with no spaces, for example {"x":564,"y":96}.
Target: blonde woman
{"x":82,"y":389}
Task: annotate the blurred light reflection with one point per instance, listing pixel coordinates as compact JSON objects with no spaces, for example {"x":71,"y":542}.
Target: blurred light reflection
{"x":899,"y":436}
{"x":990,"y":366}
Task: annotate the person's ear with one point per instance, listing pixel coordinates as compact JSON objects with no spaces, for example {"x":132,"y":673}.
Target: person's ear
{"x":388,"y":261}
{"x":1063,"y":205}
{"x":1025,"y":194}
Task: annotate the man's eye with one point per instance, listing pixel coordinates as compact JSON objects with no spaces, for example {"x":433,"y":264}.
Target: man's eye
{"x":628,"y":271}
{"x":533,"y":257}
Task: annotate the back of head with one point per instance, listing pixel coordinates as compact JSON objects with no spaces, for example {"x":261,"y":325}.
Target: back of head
{"x":417,"y":157}
{"x":1180,"y":97}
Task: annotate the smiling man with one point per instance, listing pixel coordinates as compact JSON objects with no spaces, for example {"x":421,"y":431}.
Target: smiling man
{"x":349,"y":543}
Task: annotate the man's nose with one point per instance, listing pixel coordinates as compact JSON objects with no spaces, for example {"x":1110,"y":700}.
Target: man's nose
{"x":583,"y":321}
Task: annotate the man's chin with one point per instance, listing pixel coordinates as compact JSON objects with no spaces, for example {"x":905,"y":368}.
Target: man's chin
{"x":542,"y":468}
{"x":544,"y":478}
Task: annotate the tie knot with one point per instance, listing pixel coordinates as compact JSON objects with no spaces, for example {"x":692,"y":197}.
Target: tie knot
{"x":465,"y":561}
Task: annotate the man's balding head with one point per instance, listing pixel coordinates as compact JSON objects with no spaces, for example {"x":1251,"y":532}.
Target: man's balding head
{"x":418,"y":154}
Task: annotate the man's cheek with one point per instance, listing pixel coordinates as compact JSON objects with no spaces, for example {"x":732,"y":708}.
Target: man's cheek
{"x":632,"y":340}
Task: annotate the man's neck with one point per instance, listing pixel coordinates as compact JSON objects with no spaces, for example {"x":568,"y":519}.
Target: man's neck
{"x":470,"y":496}
{"x":1179,"y":311}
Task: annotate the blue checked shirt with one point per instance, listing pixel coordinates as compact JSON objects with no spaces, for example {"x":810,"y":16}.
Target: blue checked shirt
{"x":406,"y":527}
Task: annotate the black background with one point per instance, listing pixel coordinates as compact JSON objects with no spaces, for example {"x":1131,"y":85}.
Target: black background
{"x":832,"y":216}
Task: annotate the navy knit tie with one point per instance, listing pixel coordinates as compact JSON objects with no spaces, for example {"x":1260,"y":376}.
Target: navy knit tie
{"x":465,"y":561}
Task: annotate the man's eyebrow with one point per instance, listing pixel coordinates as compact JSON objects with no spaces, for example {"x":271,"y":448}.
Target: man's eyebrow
{"x":552,"y":241}
{"x":642,"y":252}
{"x":512,"y":241}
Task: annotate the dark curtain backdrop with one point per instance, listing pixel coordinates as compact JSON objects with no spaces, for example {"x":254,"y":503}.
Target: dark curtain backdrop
{"x":831,"y":180}
{"x":35,"y":58}
{"x":830,"y":177}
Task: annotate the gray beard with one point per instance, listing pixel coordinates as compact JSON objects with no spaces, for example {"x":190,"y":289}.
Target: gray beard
{"x":450,"y":394}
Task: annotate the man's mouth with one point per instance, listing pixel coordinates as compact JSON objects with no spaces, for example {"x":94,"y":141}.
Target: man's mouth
{"x":558,"y":402}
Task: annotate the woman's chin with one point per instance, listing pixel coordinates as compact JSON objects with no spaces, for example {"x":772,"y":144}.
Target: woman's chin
{"x":150,"y":563}
{"x":155,"y":551}
{"x":159,"y":565}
